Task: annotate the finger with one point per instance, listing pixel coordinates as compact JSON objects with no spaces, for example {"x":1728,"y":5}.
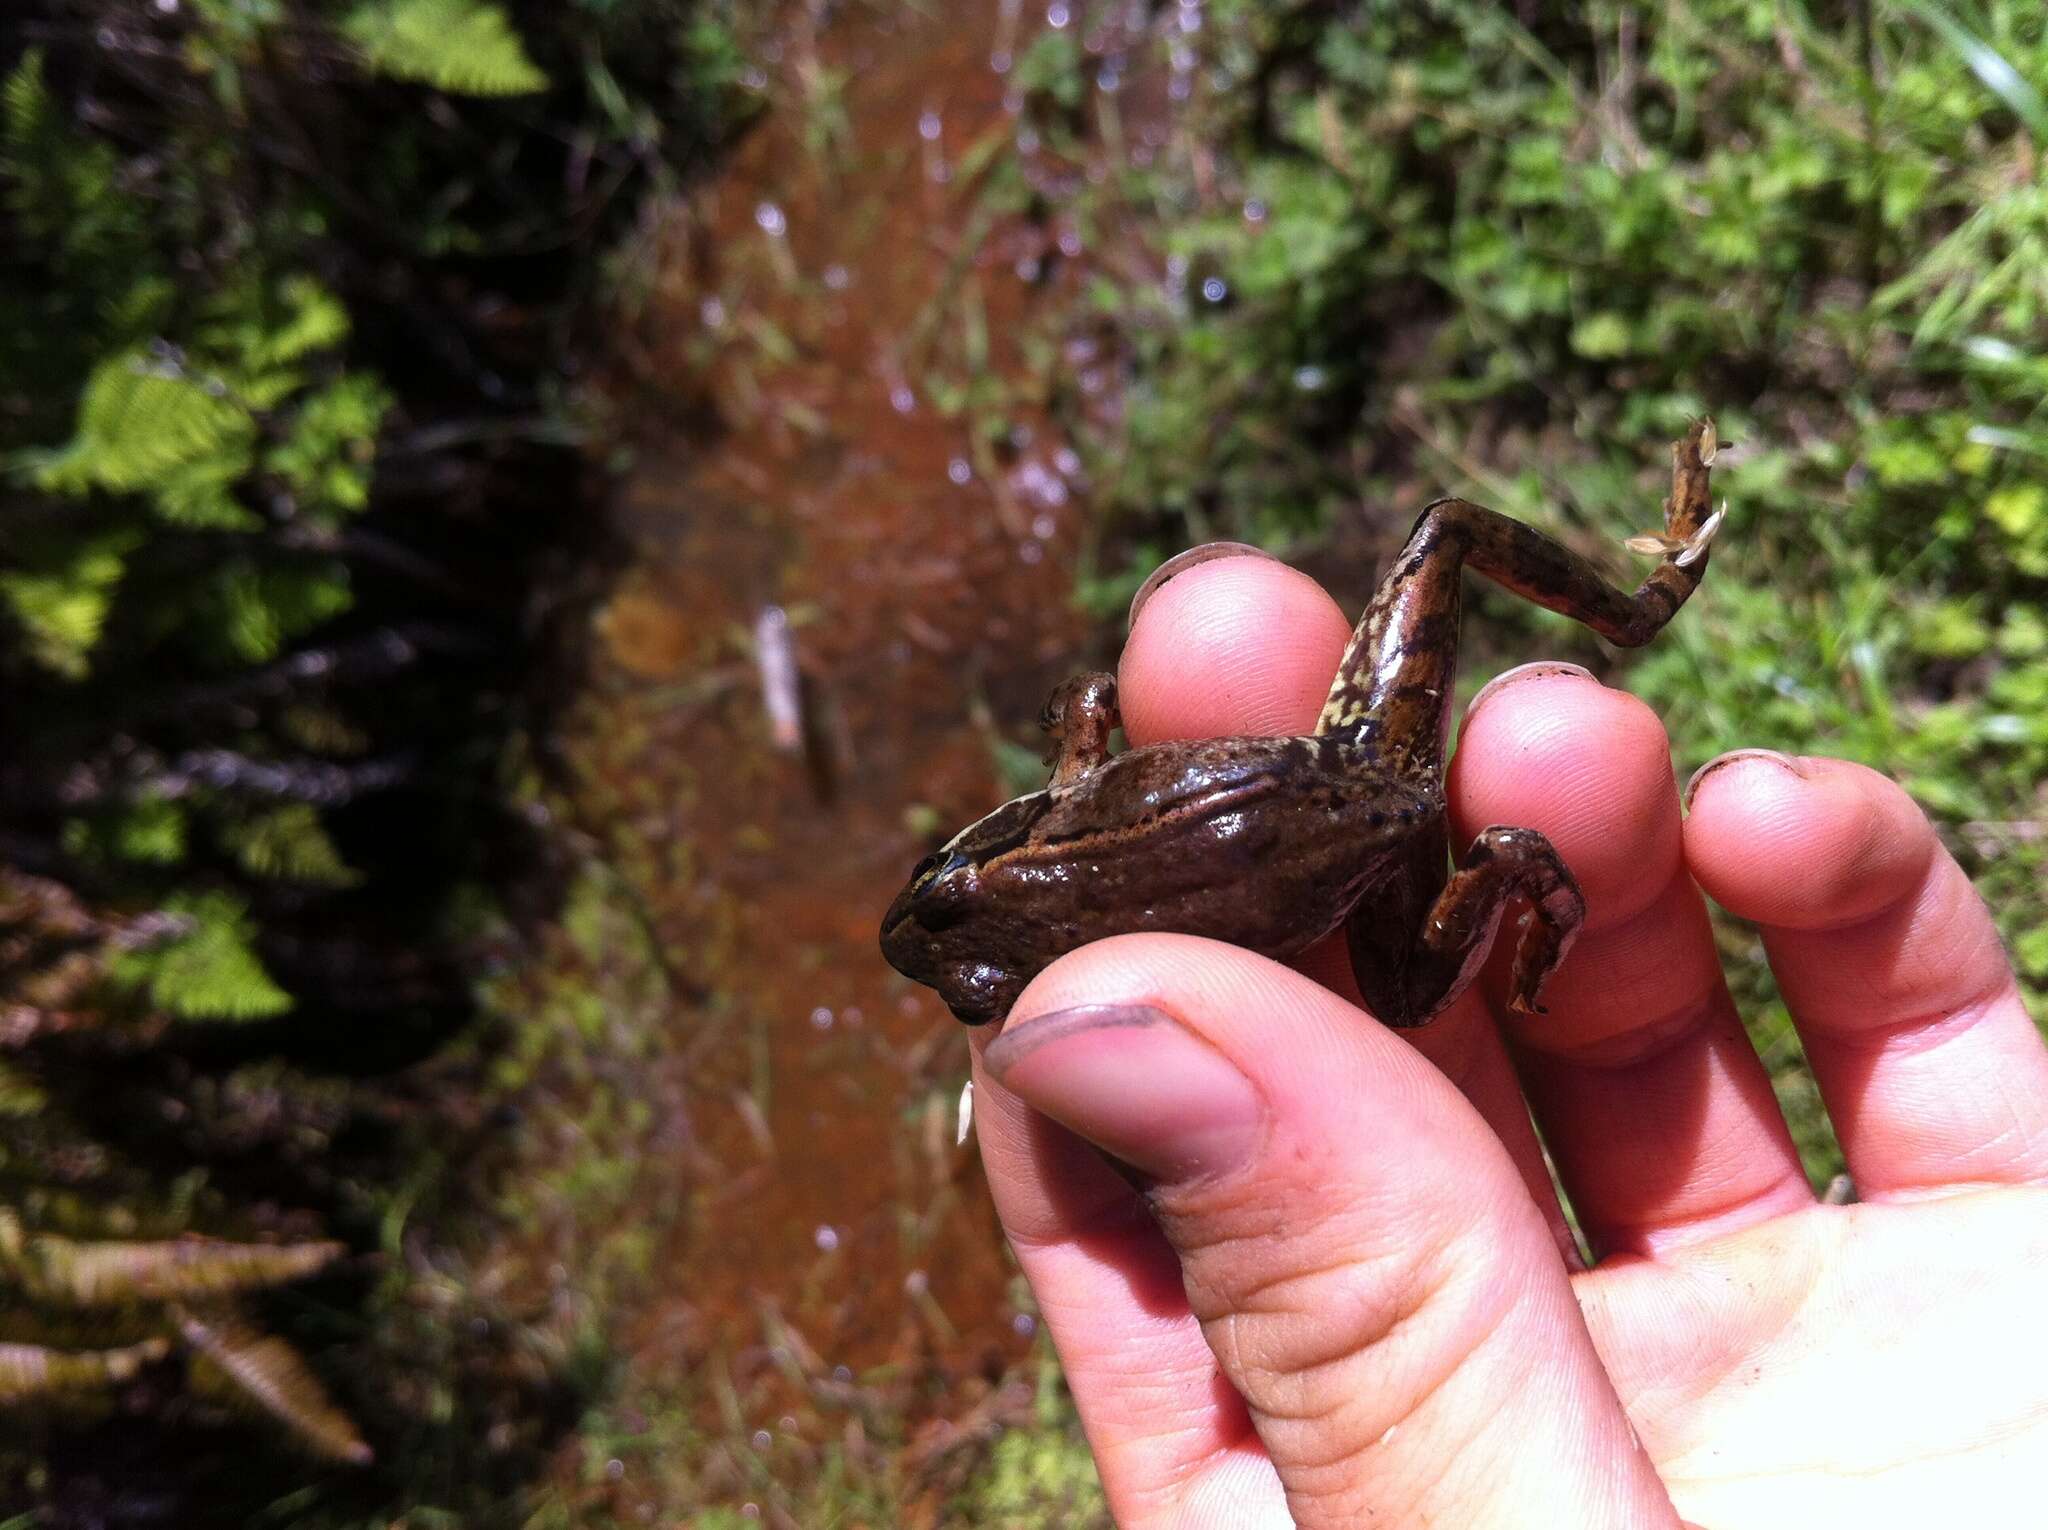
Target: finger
{"x":1238,"y":645}
{"x":1360,"y":1252}
{"x":1655,"y":1107}
{"x":1246,"y":645}
{"x":1929,"y":1065}
{"x":1174,"y":1446}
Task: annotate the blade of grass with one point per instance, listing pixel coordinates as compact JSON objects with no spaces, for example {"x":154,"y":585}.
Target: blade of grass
{"x":1990,"y":66}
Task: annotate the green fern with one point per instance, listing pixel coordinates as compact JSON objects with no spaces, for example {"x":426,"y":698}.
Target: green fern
{"x":256,"y":334}
{"x":184,"y":432}
{"x":200,"y":495}
{"x":209,"y":972}
{"x":141,"y":419}
{"x":289,"y":844}
{"x":60,"y":185}
{"x":465,"y":47}
{"x":62,"y":595}
{"x":250,"y":612}
{"x":317,"y":322}
{"x":325,"y":457}
{"x":150,"y":830}
{"x":25,"y":106}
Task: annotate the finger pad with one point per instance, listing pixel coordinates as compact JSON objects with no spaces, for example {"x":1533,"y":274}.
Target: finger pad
{"x":1236,"y":646}
{"x":1824,"y":846}
{"x":1590,"y":768}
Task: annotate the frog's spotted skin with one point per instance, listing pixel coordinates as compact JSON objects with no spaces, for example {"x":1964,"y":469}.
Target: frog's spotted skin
{"x":1272,"y":843}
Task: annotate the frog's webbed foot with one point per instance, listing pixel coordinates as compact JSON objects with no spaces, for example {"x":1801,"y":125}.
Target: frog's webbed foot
{"x":1458,"y":931}
{"x":1689,"y":518}
{"x":1683,"y":551}
{"x":1079,"y":716}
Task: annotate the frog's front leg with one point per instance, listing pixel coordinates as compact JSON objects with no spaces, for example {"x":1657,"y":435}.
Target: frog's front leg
{"x":1080,"y":715}
{"x":1408,"y":976}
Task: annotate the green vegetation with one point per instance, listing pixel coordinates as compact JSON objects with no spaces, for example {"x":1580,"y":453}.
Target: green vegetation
{"x":1438,"y":250}
{"x":289,"y":291}
{"x":295,"y":471}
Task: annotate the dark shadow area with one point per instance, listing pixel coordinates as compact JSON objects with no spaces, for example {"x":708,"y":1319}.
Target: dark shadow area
{"x":324,"y":713}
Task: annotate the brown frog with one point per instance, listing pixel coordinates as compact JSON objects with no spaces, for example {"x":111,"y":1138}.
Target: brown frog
{"x":1271,"y":843}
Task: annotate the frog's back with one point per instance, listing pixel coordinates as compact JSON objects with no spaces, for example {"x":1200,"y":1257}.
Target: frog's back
{"x":1263,"y":841}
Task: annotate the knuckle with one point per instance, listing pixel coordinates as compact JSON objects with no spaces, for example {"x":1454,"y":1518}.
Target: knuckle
{"x":1335,"y":1329}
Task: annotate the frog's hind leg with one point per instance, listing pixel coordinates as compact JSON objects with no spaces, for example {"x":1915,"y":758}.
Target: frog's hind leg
{"x":1393,"y":689}
{"x":1080,"y":715}
{"x":1407,"y":981}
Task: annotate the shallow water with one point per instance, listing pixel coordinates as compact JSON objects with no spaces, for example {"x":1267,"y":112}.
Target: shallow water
{"x":809,"y":499}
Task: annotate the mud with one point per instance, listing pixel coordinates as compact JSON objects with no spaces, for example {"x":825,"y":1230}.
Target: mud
{"x":840,"y":365}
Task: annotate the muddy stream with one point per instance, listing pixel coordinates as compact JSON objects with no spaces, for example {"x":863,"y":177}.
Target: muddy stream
{"x":852,"y":532}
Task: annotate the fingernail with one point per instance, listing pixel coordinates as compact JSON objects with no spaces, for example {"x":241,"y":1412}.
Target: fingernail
{"x":1782,"y":761}
{"x":1180,"y":563}
{"x":1521,"y":672}
{"x":1135,"y":1082}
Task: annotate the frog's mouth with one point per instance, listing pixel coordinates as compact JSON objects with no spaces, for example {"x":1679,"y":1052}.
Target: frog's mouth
{"x":907,"y":939}
{"x":895,"y":924}
{"x":916,"y":942}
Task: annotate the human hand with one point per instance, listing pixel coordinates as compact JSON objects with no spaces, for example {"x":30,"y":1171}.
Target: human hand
{"x":1327,"y":1281}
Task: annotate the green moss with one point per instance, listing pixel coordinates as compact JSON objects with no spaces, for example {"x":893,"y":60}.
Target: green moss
{"x":1038,"y":1479}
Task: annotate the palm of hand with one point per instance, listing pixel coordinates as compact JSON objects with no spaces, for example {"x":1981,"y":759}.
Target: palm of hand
{"x":1845,"y":1365}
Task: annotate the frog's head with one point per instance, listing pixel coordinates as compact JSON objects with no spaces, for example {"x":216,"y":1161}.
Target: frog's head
{"x":947,"y":929}
{"x":931,"y":934}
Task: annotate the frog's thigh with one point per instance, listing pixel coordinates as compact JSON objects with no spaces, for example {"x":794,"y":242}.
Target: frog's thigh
{"x":1385,"y":931}
{"x":1444,"y":947}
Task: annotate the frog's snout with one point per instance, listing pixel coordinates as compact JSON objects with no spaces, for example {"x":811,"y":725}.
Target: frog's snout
{"x":929,"y":937}
{"x":903,"y":943}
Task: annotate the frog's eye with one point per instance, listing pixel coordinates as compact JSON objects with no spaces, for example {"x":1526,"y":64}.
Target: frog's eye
{"x":936,"y":866}
{"x":940,"y":895}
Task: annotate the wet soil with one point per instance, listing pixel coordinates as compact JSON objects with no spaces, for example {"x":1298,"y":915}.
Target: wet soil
{"x":851,"y":532}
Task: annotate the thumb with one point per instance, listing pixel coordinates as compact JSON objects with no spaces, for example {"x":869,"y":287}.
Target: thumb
{"x":1365,"y":1262}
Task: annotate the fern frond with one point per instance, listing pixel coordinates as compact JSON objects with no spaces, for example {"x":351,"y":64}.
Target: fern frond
{"x":200,"y":496}
{"x":210,"y":971}
{"x":32,"y":1372}
{"x":26,"y":113}
{"x":290,"y":844}
{"x":62,"y":599}
{"x":259,"y":610}
{"x":465,"y":47}
{"x":68,"y":1272}
{"x":271,"y":1374}
{"x":318,"y":322}
{"x":59,"y":183}
{"x":138,"y":420}
{"x":150,"y":829}
{"x":326,"y":455}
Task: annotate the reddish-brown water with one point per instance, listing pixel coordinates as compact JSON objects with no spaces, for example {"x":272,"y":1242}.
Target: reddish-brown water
{"x":809,"y":489}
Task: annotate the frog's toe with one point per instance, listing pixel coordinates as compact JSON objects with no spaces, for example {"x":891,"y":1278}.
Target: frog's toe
{"x":1696,"y":545}
{"x":1654,"y":544}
